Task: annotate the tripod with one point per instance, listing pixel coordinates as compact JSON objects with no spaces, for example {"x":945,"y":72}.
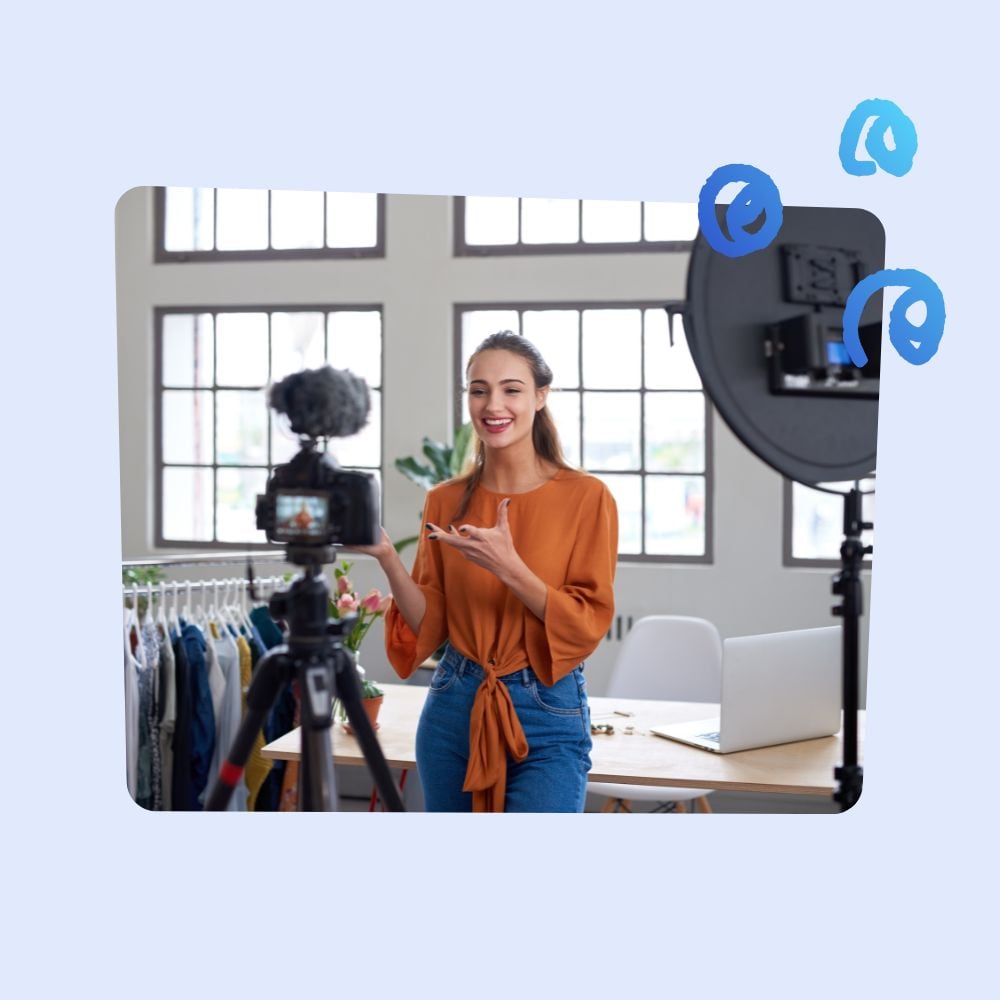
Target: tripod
{"x":315,"y":656}
{"x":847,"y":584}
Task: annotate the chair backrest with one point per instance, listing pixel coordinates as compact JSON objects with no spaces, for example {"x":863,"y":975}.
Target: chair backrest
{"x":669,"y":658}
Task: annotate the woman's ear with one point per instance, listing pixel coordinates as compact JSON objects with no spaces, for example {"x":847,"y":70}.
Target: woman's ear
{"x":541,"y":395}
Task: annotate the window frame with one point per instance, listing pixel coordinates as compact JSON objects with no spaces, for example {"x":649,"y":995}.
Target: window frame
{"x":462,"y":249}
{"x":163,"y":256}
{"x":788,"y":560}
{"x":460,"y":416}
{"x":159,"y":312}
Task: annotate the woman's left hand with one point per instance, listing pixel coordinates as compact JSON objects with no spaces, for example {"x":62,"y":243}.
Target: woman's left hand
{"x":491,"y":548}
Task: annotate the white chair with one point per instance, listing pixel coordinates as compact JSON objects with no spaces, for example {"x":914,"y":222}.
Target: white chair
{"x":665,"y":658}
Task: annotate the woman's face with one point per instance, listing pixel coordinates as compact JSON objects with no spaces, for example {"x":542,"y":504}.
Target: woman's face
{"x":503,"y":399}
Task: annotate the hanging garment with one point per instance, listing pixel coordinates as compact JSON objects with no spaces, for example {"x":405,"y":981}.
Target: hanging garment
{"x":181,"y":787}
{"x":150,"y":706}
{"x":202,"y":744}
{"x":216,"y":678}
{"x":230,"y":711}
{"x":168,"y":714}
{"x":280,"y":720}
{"x":257,"y":766}
{"x":131,"y":719}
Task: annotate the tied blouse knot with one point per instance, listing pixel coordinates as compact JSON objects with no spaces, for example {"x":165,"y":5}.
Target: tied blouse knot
{"x":566,"y":532}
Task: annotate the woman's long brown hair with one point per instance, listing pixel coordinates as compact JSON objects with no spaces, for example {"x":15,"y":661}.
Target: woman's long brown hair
{"x":544,"y":435}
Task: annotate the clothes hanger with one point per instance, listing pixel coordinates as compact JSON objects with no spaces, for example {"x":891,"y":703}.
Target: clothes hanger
{"x":161,"y":614}
{"x":173,"y":619}
{"x":140,"y":651}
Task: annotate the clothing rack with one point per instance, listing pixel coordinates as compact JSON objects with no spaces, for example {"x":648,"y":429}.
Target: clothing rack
{"x":206,"y":559}
{"x":176,"y":586}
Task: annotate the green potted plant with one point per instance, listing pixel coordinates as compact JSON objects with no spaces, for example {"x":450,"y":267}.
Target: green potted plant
{"x":446,"y":462}
{"x":346,"y":601}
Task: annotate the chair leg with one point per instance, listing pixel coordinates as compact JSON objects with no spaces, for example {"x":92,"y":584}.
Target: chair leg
{"x":703,"y":802}
{"x":626,"y":805}
{"x":680,"y":807}
{"x":610,"y":806}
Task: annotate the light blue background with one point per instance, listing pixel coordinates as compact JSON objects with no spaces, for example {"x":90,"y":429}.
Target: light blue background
{"x":597,"y":100}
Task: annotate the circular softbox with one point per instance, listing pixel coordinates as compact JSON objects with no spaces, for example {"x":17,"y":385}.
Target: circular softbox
{"x":743,"y":312}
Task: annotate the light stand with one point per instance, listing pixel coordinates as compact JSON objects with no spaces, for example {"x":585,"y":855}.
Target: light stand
{"x":847,"y":584}
{"x":766,"y":335}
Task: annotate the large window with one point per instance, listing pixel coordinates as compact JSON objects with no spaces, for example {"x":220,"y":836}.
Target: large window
{"x":485,"y":226}
{"x":814,"y":522}
{"x":629,"y":408}
{"x":216,"y":440}
{"x":198,"y":224}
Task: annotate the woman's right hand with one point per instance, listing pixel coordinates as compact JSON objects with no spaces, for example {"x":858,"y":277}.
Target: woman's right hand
{"x":381,"y":550}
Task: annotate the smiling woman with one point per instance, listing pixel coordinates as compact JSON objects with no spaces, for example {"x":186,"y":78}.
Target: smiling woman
{"x":517,"y":573}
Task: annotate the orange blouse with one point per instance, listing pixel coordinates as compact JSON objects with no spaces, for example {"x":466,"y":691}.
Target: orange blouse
{"x":566,"y":531}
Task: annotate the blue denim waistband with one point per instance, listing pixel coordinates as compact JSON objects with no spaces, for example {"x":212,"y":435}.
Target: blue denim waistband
{"x":466,"y":665}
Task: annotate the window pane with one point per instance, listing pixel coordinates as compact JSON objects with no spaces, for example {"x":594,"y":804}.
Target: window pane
{"x":668,"y":367}
{"x":675,"y":432}
{"x":296,"y":219}
{"x":241,"y":428}
{"x":188,"y":218}
{"x":565,"y":410}
{"x":818,"y":520}
{"x":611,"y":430}
{"x":187,"y":504}
{"x":241,"y":219}
{"x":241,"y":348}
{"x":187,"y":427}
{"x":296,"y":342}
{"x":670,"y":221}
{"x":237,"y":519}
{"x":351,"y":220}
{"x":356,"y":344}
{"x":365,"y":447}
{"x":187,"y":349}
{"x":556,"y":334}
{"x":612,"y":351}
{"x":627,"y":491}
{"x":477,"y":325}
{"x":612,"y":221}
{"x":675,"y":515}
{"x":490,"y":220}
{"x":550,"y":220}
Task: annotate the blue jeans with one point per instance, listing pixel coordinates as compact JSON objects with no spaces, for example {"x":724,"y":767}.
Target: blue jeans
{"x":556,"y":723}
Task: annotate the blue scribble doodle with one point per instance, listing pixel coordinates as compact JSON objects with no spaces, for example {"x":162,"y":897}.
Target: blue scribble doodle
{"x":887,"y":115}
{"x":902,"y":333}
{"x":759,"y":196}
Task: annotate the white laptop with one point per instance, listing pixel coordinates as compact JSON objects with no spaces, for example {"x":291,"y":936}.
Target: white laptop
{"x":776,"y":688}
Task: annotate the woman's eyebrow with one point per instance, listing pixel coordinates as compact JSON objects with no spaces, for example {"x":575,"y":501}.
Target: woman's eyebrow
{"x":502,"y":381}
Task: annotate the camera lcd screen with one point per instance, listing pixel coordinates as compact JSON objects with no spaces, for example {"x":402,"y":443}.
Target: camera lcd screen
{"x":301,"y":516}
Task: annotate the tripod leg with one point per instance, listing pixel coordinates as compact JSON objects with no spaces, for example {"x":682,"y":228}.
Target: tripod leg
{"x":349,"y":691}
{"x":272,"y":674}
{"x":317,"y":788}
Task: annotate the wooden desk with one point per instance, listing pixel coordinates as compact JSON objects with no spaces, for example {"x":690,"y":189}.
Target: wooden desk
{"x":804,"y":768}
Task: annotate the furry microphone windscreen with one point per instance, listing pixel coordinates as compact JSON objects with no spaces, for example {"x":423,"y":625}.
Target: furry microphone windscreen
{"x":322,"y":402}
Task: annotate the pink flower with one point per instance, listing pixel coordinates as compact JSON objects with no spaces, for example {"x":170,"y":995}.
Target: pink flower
{"x":371,"y":601}
{"x":347,"y":602}
{"x":383,"y":605}
{"x":343,"y":585}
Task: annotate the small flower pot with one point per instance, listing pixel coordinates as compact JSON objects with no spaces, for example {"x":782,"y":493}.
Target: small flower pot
{"x":371,"y":706}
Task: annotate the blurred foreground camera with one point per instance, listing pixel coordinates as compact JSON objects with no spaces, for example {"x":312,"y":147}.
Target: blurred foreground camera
{"x":311,"y":504}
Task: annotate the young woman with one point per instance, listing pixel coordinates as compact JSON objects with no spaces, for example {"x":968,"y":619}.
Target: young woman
{"x":516,"y":569}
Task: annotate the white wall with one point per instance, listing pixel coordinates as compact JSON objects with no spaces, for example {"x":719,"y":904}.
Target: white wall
{"x":745,"y":590}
